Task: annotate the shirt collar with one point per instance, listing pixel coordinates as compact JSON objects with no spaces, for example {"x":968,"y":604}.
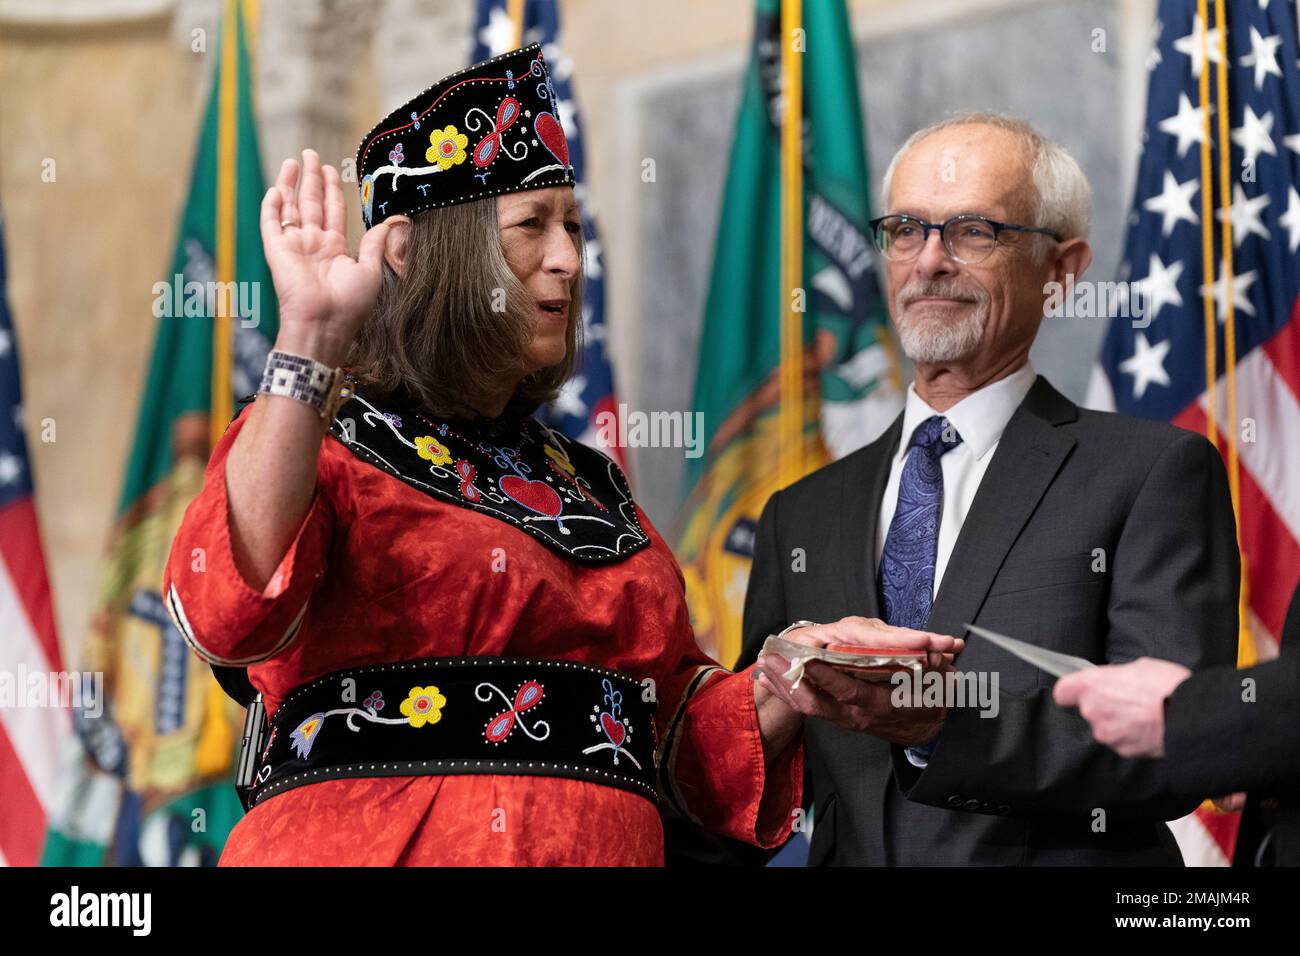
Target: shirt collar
{"x":980,"y":417}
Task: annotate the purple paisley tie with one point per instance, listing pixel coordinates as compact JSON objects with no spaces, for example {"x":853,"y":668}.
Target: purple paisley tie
{"x":907,"y":562}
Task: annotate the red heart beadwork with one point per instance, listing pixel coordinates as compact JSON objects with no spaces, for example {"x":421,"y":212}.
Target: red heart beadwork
{"x":536,"y":496}
{"x":614,"y":730}
{"x":551,"y":134}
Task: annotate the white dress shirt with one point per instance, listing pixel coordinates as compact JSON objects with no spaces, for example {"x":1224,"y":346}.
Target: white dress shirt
{"x":980,"y":418}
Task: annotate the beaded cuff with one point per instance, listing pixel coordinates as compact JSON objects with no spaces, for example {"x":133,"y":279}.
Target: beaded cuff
{"x":305,"y":380}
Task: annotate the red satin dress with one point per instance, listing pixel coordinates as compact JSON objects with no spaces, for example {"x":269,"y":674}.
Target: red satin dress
{"x":382,"y":572}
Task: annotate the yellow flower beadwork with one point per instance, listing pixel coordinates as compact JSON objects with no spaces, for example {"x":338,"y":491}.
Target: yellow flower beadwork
{"x":447,"y":147}
{"x":431,"y":449}
{"x":423,"y":705}
{"x":560,"y":458}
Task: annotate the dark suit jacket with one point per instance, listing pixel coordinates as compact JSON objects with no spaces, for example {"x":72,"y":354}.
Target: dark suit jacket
{"x":1218,"y":743}
{"x":1029,"y":786}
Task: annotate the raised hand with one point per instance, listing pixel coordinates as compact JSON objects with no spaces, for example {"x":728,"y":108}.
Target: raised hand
{"x":325,"y":295}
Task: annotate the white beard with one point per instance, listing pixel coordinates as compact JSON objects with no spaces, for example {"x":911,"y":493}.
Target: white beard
{"x":933,"y":341}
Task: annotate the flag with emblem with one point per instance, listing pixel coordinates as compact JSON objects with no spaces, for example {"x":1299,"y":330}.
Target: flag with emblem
{"x":845,"y":318}
{"x":587,"y":408}
{"x":31,"y":731}
{"x":1216,"y":348}
{"x":151,"y":781}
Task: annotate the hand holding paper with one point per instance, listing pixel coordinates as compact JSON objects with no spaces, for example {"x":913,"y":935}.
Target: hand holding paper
{"x":1124,"y":703}
{"x":816,"y":683}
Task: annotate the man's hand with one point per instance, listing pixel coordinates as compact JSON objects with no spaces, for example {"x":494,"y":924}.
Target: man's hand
{"x":856,"y":704}
{"x":1124,"y":703}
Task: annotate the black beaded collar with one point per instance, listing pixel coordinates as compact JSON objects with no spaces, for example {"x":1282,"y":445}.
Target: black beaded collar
{"x":571,"y":498}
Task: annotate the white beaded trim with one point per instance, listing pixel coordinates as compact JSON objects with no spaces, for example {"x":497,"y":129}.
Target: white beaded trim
{"x":434,"y":662}
{"x":638,"y":534}
{"x":374,"y":138}
{"x":366,"y":143}
{"x":564,"y":180}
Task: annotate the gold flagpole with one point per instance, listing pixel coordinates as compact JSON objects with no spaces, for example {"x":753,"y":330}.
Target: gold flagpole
{"x":515,"y":9}
{"x":222,"y":401}
{"x":214,"y":748}
{"x":1245,"y":641}
{"x":1207,"y":227}
{"x":791,"y":414}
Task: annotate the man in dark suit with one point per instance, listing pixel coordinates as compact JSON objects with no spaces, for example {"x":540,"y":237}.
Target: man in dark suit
{"x":994,"y":500}
{"x":1217,"y":731}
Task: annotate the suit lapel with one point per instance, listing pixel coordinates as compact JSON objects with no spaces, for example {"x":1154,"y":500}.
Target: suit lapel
{"x":1028,"y":456}
{"x":860,"y":493}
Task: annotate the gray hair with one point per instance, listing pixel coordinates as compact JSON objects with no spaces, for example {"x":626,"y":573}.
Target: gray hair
{"x":457,"y":322}
{"x":1063,"y":198}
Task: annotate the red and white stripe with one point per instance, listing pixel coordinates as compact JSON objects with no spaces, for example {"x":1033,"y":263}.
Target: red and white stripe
{"x":1268,"y":394}
{"x":30,"y":737}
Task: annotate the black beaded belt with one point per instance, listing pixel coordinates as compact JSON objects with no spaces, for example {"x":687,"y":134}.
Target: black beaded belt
{"x":455,"y":715}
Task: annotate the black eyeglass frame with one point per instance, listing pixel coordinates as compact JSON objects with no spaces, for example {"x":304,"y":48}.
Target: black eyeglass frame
{"x":998,"y":229}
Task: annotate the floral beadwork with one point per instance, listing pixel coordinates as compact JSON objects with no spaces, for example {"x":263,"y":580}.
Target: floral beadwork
{"x":528,"y":696}
{"x":549,"y":131}
{"x":559,"y":457}
{"x":423,"y":706}
{"x":304,"y":735}
{"x":367,"y":197}
{"x":570,"y":497}
{"x":447,"y":147}
{"x":490,"y":145}
{"x":578,"y":483}
{"x":502,"y":113}
{"x":610,"y":722}
{"x":467,"y":488}
{"x":430,"y":449}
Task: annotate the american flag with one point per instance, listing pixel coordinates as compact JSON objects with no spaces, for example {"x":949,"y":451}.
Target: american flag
{"x":30,"y":735}
{"x":1159,"y":371}
{"x":590,"y":391}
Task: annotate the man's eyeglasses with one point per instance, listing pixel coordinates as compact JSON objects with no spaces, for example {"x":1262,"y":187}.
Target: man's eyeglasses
{"x":968,"y":238}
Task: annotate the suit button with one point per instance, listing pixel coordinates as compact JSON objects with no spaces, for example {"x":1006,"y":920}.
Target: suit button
{"x":955,"y":802}
{"x":972,"y":804}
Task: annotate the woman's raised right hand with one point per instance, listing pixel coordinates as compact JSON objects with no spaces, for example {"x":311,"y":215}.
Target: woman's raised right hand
{"x":325,"y":295}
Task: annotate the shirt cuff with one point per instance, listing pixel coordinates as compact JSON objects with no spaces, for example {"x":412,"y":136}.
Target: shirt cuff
{"x":919,"y":756}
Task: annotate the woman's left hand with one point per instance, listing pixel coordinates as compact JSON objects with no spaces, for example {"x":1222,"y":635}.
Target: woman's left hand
{"x":855,"y":704}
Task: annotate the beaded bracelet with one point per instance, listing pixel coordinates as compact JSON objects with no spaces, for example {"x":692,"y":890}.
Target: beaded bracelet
{"x":305,"y":380}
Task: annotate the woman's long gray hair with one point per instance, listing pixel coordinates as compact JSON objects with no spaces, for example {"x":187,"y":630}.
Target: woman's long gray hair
{"x":458,"y":322}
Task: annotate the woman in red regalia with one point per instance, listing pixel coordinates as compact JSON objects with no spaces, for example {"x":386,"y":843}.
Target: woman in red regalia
{"x":472,"y":646}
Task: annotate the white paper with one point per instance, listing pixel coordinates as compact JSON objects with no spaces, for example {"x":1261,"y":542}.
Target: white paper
{"x":1054,"y":662}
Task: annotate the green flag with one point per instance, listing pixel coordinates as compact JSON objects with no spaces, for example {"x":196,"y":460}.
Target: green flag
{"x":151,"y":781}
{"x":844,"y":319}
